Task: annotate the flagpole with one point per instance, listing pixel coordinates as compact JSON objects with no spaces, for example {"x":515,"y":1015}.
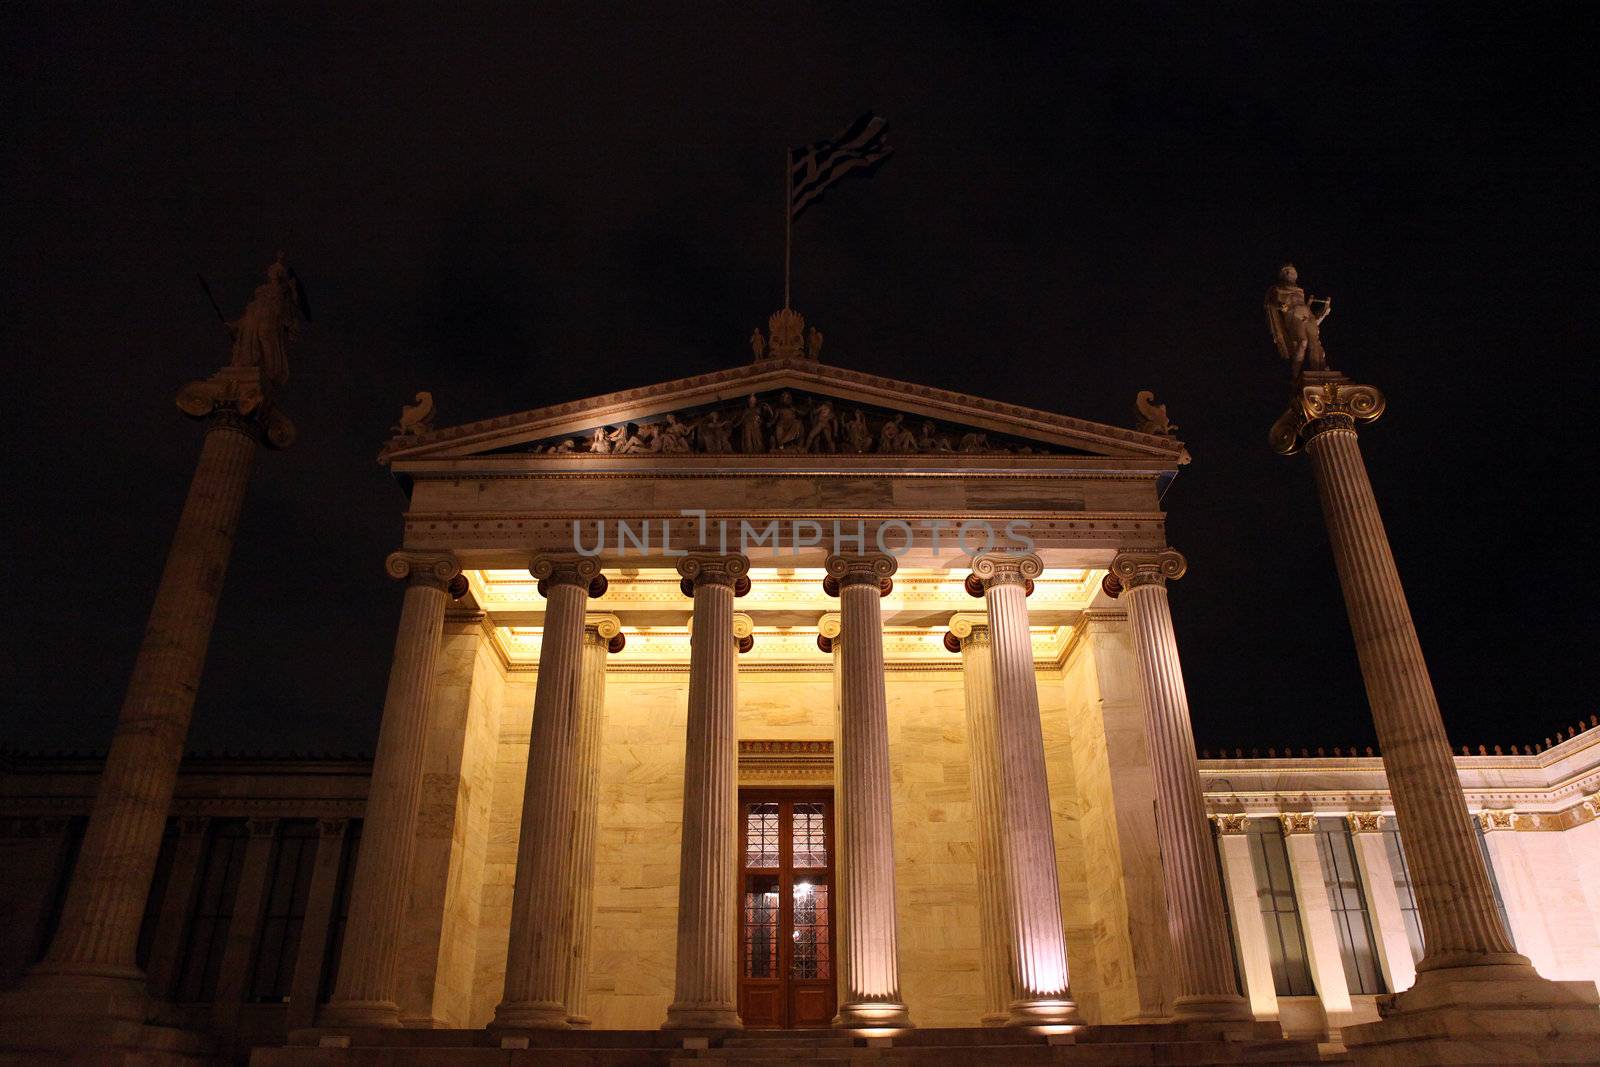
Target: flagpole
{"x":788,"y":220}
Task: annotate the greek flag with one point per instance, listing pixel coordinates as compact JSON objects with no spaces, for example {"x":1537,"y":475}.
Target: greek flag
{"x":812,"y":168}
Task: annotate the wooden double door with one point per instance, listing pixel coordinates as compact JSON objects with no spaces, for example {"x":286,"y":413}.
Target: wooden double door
{"x":787,"y":907}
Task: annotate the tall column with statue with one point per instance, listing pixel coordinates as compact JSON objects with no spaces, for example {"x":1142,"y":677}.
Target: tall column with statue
{"x":1470,"y":974}
{"x":89,"y":972}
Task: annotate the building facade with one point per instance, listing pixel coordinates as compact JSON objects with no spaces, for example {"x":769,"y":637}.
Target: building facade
{"x":780,"y":697}
{"x":258,"y":857}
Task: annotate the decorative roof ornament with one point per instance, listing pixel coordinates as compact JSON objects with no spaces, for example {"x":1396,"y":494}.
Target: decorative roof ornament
{"x":785,"y":337}
{"x":416,"y":419}
{"x":1153,"y":416}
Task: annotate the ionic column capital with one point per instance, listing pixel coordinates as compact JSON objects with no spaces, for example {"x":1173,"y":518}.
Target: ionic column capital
{"x":332,"y":828}
{"x":966,"y":627}
{"x":994,"y":568}
{"x":604,"y":630}
{"x":262,"y":827}
{"x":234,"y":399}
{"x":829,"y":627}
{"x":870,"y":568}
{"x":193,"y":825}
{"x":438,"y":570}
{"x":581,"y":571}
{"x":1366,"y":822}
{"x":1298,"y":822}
{"x":732,"y":570}
{"x":1334,"y":403}
{"x":1232,"y":822}
{"x":1129,"y":570}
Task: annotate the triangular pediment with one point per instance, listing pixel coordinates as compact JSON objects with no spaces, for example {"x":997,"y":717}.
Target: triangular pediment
{"x":789,"y":406}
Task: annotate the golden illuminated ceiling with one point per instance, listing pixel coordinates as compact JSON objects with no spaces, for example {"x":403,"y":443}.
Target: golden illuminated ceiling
{"x":784,"y":604}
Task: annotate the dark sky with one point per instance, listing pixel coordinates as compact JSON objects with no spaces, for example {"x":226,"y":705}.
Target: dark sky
{"x":519,"y":206}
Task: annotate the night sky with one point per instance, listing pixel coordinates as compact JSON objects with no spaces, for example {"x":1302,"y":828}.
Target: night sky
{"x":528,"y":206}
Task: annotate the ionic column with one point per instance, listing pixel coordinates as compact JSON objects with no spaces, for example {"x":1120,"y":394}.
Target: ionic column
{"x":602,"y":635}
{"x":540,"y":949}
{"x":93,"y":953}
{"x":969,"y":634}
{"x":1454,"y":901}
{"x":871,"y":975}
{"x":365,"y":992}
{"x":1037,"y":943}
{"x":1205,"y":980}
{"x":1377,"y":882}
{"x":706,"y":992}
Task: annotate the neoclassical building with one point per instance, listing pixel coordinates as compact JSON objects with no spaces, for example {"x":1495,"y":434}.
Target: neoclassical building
{"x":792,"y":698}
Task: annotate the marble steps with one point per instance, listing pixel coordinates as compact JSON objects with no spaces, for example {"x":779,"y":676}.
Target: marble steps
{"x":1004,"y":1051}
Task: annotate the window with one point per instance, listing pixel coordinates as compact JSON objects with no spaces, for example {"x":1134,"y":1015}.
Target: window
{"x":1357,"y":947}
{"x":341,"y":912}
{"x":1494,"y":883}
{"x":206,"y":932}
{"x":1402,"y":888}
{"x":158,"y":892}
{"x":1280,"y":913}
{"x":288,"y":889}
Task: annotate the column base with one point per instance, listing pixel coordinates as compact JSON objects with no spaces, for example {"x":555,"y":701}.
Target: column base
{"x":100,"y":1019}
{"x":1211,"y":1008}
{"x":994,"y":1018}
{"x":89,"y":992}
{"x":337,"y":1013}
{"x":1044,"y":1011}
{"x":1497,"y":1013}
{"x":531,"y":1015}
{"x":702,"y":1017}
{"x":580,"y":1022}
{"x":871,"y":1015}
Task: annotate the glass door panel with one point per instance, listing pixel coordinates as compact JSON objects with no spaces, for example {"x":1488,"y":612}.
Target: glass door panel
{"x":786,"y":909}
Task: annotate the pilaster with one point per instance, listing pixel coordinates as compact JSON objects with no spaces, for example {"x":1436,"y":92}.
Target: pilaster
{"x":306,"y":985}
{"x":1244,"y":904}
{"x":1316,"y":916}
{"x":1383,"y":899}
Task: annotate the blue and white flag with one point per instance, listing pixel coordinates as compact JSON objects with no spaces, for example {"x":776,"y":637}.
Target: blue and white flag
{"x":812,"y":168}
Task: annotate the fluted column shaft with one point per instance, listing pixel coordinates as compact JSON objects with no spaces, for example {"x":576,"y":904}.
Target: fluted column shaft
{"x":1037,"y":942}
{"x":602,"y":634}
{"x":98,"y":931}
{"x":1454,"y":900}
{"x":1205,"y":981}
{"x":971,"y":633}
{"x":706,"y":993}
{"x":365,"y":993}
{"x":539,"y":952}
{"x":871,"y":994}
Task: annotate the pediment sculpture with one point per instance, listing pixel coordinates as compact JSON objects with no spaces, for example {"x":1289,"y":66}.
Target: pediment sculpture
{"x":786,"y":422}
